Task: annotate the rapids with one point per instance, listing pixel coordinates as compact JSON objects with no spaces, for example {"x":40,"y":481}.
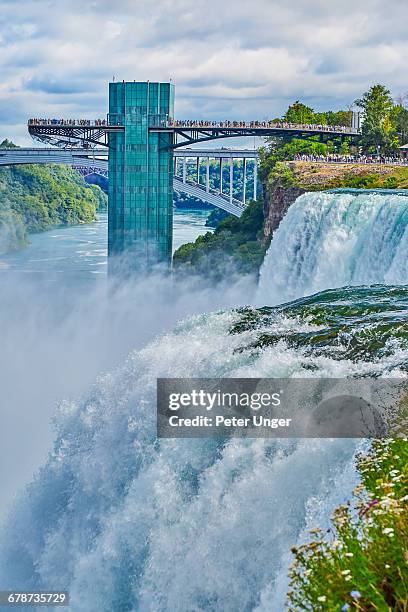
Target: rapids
{"x":125,"y":521}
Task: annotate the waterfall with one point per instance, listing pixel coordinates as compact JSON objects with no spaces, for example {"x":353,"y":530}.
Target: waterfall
{"x":124,"y":521}
{"x":334,"y":240}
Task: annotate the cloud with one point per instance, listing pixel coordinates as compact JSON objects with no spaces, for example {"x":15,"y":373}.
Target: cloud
{"x":226,"y":58}
{"x":52,"y":85}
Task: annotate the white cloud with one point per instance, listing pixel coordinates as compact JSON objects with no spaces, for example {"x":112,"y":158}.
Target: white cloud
{"x":112,"y":29}
{"x":246,"y":59}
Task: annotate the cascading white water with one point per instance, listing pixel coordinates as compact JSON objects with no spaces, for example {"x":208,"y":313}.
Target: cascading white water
{"x":121,"y":520}
{"x":333,"y":240}
{"x":126,"y":522}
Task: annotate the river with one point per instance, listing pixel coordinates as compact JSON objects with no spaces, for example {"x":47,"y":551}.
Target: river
{"x":80,"y":251}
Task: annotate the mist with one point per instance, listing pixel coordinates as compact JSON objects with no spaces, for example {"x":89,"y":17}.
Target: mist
{"x":58,"y":336}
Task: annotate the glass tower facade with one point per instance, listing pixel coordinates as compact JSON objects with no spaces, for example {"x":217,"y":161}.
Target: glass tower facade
{"x":140,"y":175}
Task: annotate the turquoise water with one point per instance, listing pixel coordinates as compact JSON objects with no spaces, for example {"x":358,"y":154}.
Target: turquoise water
{"x":80,"y":251}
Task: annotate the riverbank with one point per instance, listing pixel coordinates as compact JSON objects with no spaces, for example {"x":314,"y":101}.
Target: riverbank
{"x":37,"y":198}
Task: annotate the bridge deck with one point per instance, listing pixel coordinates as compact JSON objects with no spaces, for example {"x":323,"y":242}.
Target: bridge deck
{"x":66,"y":132}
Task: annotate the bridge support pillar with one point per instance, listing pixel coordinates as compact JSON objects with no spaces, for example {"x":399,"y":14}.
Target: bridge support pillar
{"x":184,"y":169}
{"x":255,"y":178}
{"x":231,"y":179}
{"x":220,"y":174}
{"x":244,"y":183}
{"x":140,"y":210}
{"x":207,"y":179}
{"x":198,"y":170}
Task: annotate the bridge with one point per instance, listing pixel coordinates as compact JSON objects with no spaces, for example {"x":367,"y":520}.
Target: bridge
{"x":142,"y":139}
{"x":68,"y":132}
{"x":95,"y":161}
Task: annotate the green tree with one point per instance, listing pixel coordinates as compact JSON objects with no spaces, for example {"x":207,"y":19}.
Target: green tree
{"x":8,"y":144}
{"x":235,"y":246}
{"x":378,"y":130}
{"x":400,"y":117}
{"x":299,"y":113}
{"x":341,"y":117}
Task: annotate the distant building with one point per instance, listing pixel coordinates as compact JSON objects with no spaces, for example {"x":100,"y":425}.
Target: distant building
{"x":404,"y":151}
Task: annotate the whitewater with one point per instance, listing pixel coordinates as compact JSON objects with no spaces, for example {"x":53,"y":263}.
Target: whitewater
{"x":333,"y":240}
{"x":127,"y":522}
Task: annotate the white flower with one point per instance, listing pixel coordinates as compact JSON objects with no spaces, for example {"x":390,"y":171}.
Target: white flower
{"x":347,"y":578}
{"x":345,"y":572}
{"x":349,"y":555}
{"x":388,"y":531}
{"x":322,"y":598}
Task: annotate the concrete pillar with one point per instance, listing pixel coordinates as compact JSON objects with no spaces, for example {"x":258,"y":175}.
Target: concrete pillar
{"x":220,"y":174}
{"x":175,"y":166}
{"x":184,"y":169}
{"x":231,"y":177}
{"x":207,"y":180}
{"x":198,"y":170}
{"x":255,"y":178}
{"x":244,"y":186}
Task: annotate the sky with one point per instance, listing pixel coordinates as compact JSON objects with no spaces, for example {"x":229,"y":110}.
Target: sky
{"x":236,"y":59}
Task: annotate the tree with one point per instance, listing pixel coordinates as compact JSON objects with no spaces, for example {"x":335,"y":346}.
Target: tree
{"x":299,"y":113}
{"x":7,"y":144}
{"x":341,"y":117}
{"x":400,"y":117}
{"x":378,"y":130}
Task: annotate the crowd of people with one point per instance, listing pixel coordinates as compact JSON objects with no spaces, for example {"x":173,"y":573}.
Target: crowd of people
{"x":191,"y":123}
{"x":336,"y":158}
{"x":69,"y":122}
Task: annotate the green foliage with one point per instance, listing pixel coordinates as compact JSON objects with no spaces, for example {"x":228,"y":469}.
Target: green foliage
{"x":379,"y":127}
{"x":400,"y":119}
{"x":37,"y":197}
{"x":271,"y":155}
{"x":7,"y":144}
{"x":282,"y":173}
{"x":397,"y":180}
{"x":234,"y":246}
{"x":215,"y":217}
{"x":183,"y":200}
{"x":363,"y":566}
{"x":341,"y":117}
{"x":299,"y":113}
